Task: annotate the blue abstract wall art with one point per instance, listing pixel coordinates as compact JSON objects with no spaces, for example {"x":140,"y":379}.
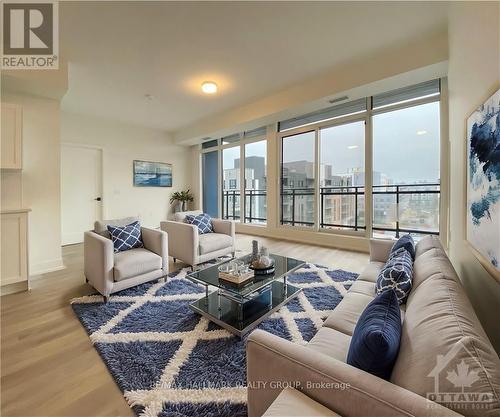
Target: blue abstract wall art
{"x":483,"y":182}
{"x":152,"y":174}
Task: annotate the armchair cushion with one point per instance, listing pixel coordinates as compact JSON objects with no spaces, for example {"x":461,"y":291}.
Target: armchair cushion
{"x":211,"y":242}
{"x":126,"y":237}
{"x":135,"y":262}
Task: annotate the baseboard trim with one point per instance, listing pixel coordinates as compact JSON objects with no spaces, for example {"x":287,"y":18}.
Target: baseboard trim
{"x":329,"y":240}
{"x":14,"y":288}
{"x":38,"y":270}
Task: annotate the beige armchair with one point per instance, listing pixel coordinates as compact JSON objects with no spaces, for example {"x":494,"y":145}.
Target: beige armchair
{"x":109,"y":272}
{"x":189,"y":246}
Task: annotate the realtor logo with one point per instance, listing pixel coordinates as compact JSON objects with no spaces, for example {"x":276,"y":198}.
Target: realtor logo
{"x":457,"y":380}
{"x":30,"y":35}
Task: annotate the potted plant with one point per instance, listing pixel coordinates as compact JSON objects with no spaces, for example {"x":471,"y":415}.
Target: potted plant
{"x":182,"y":198}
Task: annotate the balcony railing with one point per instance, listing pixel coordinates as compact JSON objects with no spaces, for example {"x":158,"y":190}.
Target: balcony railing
{"x":255,"y":213}
{"x":386,"y":199}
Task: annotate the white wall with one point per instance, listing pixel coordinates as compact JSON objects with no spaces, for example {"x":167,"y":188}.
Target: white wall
{"x":474,"y":74}
{"x":122,"y":144}
{"x":38,"y":185}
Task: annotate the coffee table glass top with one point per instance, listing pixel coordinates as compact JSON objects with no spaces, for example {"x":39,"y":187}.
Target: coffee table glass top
{"x":210,"y":276}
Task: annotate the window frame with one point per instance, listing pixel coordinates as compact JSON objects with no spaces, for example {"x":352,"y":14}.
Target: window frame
{"x":316,"y":127}
{"x":274,"y":140}
{"x":241,"y":144}
{"x":367,"y":117}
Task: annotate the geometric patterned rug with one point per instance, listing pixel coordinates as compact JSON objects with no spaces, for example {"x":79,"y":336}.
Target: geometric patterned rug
{"x":170,"y":361}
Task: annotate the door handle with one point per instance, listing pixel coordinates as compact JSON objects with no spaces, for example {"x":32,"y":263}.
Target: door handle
{"x":98,"y":199}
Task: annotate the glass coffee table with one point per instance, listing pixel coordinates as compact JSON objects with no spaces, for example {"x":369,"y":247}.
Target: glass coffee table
{"x":241,"y":307}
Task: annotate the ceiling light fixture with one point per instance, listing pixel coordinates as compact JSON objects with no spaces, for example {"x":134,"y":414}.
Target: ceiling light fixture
{"x":209,"y":87}
{"x":353,"y":147}
{"x":421,"y":132}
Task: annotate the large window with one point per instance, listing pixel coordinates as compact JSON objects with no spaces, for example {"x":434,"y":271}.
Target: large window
{"x":406,"y":178}
{"x":342,"y":176}
{"x":231,"y":183}
{"x":402,"y":131}
{"x":237,"y":165}
{"x":255,"y":182}
{"x":298,"y":180}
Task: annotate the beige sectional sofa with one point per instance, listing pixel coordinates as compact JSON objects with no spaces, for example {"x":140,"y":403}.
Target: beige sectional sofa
{"x":444,"y":354}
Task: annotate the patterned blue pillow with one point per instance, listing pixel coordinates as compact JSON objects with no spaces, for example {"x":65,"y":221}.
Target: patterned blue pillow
{"x":202,"y":221}
{"x":397,"y":274}
{"x":406,"y":242}
{"x":126,"y":237}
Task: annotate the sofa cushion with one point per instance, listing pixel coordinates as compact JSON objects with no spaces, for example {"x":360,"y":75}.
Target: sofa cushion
{"x":441,"y":326}
{"x":406,"y":242}
{"x":135,"y":262}
{"x":431,"y":260}
{"x":363,"y":287}
{"x":397,"y":274}
{"x":202,"y":221}
{"x":331,"y":342}
{"x":126,"y":237}
{"x":371,"y":271}
{"x":293,"y":403}
{"x":211,"y":242}
{"x":346,"y":314}
{"x":101,"y":226}
{"x":375,"y":341}
{"x":427,"y":243}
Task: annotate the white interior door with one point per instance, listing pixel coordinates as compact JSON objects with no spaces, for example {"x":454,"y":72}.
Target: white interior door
{"x":81,"y":191}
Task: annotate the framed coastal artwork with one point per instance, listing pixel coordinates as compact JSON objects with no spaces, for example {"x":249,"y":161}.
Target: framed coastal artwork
{"x":152,"y":174}
{"x":483,"y":184}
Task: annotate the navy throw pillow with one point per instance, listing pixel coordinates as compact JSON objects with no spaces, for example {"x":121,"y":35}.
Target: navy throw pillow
{"x":375,"y":342}
{"x":397,"y":275}
{"x":406,"y":242}
{"x":126,"y":237}
{"x":202,"y":221}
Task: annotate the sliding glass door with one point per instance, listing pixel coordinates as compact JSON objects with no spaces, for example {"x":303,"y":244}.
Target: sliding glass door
{"x":231,"y":183}
{"x":298,"y":180}
{"x":406,"y":165}
{"x":256,"y":182}
{"x":342,"y":176}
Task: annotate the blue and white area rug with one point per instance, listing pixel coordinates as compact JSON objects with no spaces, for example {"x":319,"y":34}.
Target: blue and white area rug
{"x":169,"y":361}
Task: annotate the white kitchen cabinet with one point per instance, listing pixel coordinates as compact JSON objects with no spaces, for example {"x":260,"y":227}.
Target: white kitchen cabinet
{"x":14,"y":257}
{"x":11,"y":136}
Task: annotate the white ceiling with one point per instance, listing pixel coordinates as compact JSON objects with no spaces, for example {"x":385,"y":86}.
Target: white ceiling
{"x":120,"y":51}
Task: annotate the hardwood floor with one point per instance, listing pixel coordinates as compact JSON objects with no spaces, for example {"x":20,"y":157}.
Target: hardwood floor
{"x":48,"y":365}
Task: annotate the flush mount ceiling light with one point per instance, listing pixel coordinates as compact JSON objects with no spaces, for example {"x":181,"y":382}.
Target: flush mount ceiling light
{"x":421,"y":132}
{"x":353,"y":147}
{"x":209,"y":87}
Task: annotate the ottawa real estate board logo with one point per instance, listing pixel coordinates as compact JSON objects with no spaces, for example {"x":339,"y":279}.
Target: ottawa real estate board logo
{"x":30,"y":35}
